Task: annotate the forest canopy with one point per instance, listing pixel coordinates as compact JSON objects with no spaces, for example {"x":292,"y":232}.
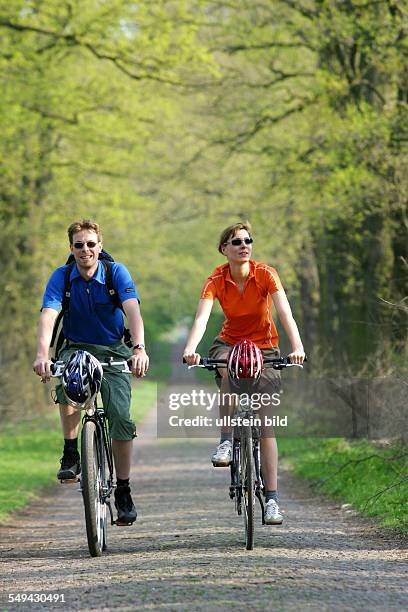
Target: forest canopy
{"x":168,"y":120}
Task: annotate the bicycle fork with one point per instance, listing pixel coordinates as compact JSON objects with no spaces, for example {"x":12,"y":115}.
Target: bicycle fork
{"x":108,"y":482}
{"x":235,"y":490}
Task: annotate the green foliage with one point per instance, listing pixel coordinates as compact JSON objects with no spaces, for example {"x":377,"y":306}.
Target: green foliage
{"x":167,"y":121}
{"x":372,"y":479}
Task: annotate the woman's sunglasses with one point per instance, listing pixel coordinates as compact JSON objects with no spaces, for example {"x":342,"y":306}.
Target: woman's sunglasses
{"x":90,"y":244}
{"x":239,"y":241}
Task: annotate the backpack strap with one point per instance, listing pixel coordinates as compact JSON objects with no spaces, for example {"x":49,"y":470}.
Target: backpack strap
{"x":64,"y":308}
{"x":113,"y":294}
{"x":67,"y":287}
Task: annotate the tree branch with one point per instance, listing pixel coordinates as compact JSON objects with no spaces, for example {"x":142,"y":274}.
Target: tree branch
{"x":49,"y":115}
{"x":375,"y":498}
{"x":263,"y":122}
{"x":72,"y":39}
{"x":257,"y":47}
{"x":400,"y":305}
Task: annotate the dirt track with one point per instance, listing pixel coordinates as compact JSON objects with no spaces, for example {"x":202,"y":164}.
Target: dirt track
{"x":186,"y":550}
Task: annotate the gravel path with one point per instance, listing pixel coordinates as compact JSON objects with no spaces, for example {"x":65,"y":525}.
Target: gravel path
{"x":186,"y":550}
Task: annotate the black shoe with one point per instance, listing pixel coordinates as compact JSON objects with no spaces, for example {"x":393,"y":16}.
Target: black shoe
{"x":70,"y":467}
{"x":124,"y":505}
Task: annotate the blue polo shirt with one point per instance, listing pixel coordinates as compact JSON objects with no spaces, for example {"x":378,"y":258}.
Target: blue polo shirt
{"x":92,"y":317}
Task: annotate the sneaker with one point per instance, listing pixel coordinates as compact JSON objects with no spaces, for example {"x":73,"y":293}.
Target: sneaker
{"x":124,"y":505}
{"x":70,"y":467}
{"x":272,"y":514}
{"x":223,"y":455}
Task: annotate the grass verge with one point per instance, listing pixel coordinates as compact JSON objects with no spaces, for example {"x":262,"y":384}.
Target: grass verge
{"x":374,"y":480}
{"x":30,"y":451}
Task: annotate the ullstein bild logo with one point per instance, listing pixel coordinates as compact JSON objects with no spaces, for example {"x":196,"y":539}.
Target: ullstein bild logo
{"x":227,"y":421}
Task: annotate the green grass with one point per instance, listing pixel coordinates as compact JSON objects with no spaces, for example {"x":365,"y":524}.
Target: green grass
{"x":29,"y":456}
{"x":30,"y":451}
{"x":356,"y":473}
{"x":144,"y":396}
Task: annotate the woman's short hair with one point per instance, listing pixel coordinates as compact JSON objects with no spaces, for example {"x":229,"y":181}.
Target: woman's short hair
{"x":231,"y":231}
{"x":85,"y":224}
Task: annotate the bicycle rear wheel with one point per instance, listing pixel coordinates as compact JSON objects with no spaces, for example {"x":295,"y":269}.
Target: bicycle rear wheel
{"x":92,"y":482}
{"x":248,"y":485}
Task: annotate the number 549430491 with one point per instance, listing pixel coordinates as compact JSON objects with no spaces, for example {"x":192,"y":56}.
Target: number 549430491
{"x":36,"y":597}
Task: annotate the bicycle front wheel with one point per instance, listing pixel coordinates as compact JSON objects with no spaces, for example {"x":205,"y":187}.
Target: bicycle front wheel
{"x":248,"y":485}
{"x":92,"y":481}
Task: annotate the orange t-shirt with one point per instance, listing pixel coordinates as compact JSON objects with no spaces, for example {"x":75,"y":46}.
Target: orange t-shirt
{"x":247,"y":314}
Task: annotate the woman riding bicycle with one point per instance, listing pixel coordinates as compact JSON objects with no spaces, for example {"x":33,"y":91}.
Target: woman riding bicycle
{"x":245,"y":290}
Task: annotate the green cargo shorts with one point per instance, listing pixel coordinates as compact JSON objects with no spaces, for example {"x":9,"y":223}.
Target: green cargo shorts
{"x":115,"y":390}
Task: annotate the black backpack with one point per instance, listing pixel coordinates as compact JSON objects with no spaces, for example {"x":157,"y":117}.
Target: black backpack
{"x":106,"y":260}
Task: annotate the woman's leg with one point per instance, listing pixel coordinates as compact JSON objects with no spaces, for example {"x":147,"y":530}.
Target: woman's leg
{"x":269,"y":463}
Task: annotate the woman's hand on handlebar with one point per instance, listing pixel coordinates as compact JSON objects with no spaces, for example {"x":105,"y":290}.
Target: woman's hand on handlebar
{"x":190,"y":357}
{"x":297,"y":356}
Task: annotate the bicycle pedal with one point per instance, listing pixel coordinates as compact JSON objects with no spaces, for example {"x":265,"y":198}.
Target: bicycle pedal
{"x":69,"y":481}
{"x":221,"y":464}
{"x":123,"y":524}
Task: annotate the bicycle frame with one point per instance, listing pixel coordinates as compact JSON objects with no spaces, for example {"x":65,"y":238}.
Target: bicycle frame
{"x":236,"y":484}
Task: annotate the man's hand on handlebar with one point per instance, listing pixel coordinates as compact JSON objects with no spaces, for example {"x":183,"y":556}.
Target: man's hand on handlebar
{"x":190,"y":357}
{"x":139,"y":363}
{"x":42,"y":367}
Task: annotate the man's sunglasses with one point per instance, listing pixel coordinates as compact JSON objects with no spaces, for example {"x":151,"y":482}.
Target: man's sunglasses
{"x":239,"y":241}
{"x":80,"y":245}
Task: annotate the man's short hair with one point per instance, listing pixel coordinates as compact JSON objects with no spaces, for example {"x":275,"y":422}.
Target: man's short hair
{"x":85,"y":224}
{"x":231,"y":231}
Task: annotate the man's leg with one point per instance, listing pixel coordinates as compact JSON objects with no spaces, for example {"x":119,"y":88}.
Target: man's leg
{"x":116,"y":396}
{"x":70,"y":419}
{"x":70,"y":461}
{"x":122,"y":455}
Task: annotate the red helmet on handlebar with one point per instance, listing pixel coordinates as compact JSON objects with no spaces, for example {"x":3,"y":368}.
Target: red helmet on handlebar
{"x":245,"y":361}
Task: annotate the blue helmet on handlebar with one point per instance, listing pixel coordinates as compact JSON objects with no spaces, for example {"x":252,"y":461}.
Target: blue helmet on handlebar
{"x":82,"y":379}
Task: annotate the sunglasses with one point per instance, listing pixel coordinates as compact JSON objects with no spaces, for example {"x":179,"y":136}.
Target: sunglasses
{"x":80,"y":245}
{"x":239,"y":241}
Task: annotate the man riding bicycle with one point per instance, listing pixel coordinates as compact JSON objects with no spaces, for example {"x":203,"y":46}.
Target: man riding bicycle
{"x":93,"y":324}
{"x":245,"y":289}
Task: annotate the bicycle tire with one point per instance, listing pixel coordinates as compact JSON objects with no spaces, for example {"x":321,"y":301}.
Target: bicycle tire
{"x":236,"y":480}
{"x":248,"y":485}
{"x":92,"y":465}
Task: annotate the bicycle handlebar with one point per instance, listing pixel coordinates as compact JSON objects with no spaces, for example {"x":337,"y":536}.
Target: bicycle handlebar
{"x":57,"y":367}
{"x":277,"y":363}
